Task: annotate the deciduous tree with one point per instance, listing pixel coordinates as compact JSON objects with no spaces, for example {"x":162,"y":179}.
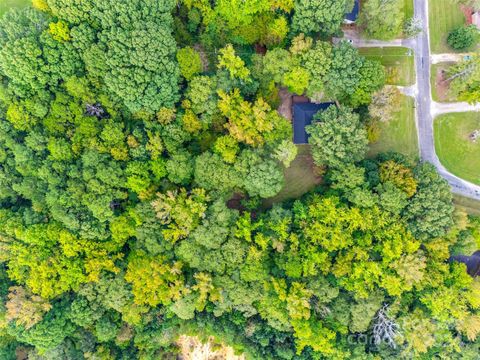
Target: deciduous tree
{"x":319,"y":16}
{"x":337,"y":137}
{"x":154,"y":280}
{"x":462,"y":37}
{"x":344,"y":75}
{"x":382,"y":19}
{"x":385,"y":103}
{"x":189,"y":62}
{"x":430,"y":211}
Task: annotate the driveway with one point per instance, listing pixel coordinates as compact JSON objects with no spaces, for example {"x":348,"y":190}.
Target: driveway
{"x":439,"y":58}
{"x":445,"y":108}
{"x":357,"y":41}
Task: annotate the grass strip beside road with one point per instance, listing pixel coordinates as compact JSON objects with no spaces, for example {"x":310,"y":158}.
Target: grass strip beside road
{"x":398,"y":62}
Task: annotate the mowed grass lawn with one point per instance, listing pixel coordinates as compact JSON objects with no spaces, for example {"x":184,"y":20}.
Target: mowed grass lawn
{"x":398,"y":62}
{"x":300,"y":177}
{"x":471,"y":206}
{"x":8,"y":4}
{"x":408,"y":8}
{"x":444,"y":16}
{"x":456,"y":151}
{"x":399,"y":134}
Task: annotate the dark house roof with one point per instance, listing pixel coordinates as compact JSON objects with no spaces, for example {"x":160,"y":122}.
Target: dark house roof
{"x":472,"y":262}
{"x":302,"y":116}
{"x":353,"y":15}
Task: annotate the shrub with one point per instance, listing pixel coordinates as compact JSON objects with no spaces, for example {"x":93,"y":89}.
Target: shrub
{"x":462,"y":37}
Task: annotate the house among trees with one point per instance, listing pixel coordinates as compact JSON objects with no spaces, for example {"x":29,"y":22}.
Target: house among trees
{"x":303,"y":112}
{"x":472,"y":262}
{"x":351,"y":17}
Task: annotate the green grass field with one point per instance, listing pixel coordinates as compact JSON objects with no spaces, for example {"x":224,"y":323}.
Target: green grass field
{"x":444,"y":16}
{"x":398,"y":62}
{"x":408,"y":9}
{"x":456,"y":151}
{"x":399,"y":134}
{"x":471,"y":206}
{"x":440,"y":91}
{"x":300,"y":178}
{"x":8,"y":4}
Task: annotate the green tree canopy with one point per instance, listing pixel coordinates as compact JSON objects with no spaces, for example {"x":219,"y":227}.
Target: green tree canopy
{"x":382,"y":19}
{"x":337,"y":137}
{"x":319,"y":16}
{"x":463,"y":37}
{"x":136,"y":208}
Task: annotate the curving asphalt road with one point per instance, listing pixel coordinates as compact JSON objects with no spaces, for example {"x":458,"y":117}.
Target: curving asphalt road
{"x":426,"y":108}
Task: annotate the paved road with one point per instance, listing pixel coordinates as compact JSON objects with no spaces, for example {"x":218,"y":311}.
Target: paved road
{"x":425,"y":108}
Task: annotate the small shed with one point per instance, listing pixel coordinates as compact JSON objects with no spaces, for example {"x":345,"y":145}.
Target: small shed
{"x":476,"y":19}
{"x":303,"y":113}
{"x":352,"y":16}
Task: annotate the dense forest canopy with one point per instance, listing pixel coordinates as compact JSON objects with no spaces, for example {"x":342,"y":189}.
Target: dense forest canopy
{"x":127,"y":128}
